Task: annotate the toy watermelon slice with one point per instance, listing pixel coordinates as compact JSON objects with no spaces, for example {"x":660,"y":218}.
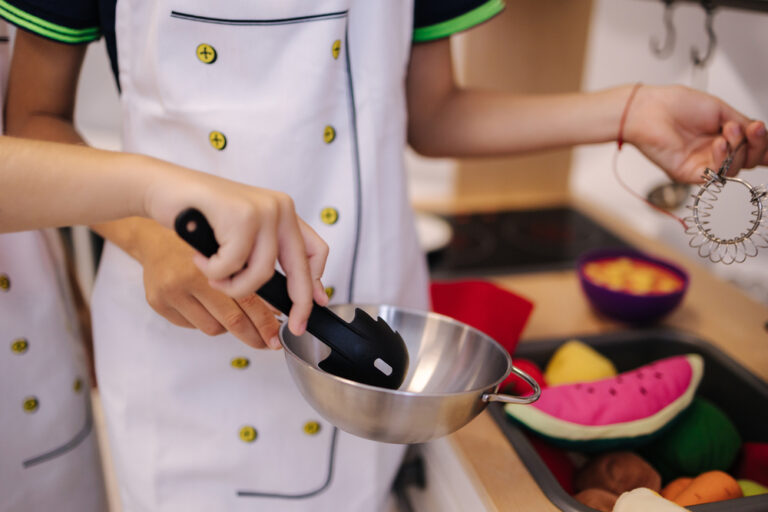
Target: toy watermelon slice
{"x":624,"y":411}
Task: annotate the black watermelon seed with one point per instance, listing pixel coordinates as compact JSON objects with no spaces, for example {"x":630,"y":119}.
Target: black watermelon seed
{"x":612,"y":392}
{"x":643,"y":390}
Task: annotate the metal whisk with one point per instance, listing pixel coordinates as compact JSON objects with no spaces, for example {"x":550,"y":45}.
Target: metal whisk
{"x":720,"y":249}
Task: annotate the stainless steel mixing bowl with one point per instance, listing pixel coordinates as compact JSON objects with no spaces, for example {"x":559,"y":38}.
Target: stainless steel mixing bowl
{"x":454,"y":373}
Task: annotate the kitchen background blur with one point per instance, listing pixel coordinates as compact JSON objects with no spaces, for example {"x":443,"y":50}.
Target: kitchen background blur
{"x":543,"y":46}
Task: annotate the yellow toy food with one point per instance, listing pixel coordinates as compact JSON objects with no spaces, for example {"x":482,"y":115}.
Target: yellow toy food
{"x":633,"y":276}
{"x":575,"y":361}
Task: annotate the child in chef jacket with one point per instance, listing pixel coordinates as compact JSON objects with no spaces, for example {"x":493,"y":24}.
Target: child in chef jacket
{"x":320,"y":98}
{"x":50,"y":457}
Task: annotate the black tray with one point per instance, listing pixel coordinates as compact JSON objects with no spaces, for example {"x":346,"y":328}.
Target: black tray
{"x":739,"y":393}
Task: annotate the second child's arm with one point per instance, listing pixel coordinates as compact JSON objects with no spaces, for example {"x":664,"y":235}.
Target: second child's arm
{"x":680,"y":129}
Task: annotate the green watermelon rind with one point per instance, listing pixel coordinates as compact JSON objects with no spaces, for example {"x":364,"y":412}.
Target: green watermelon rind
{"x":601,"y":445}
{"x":637,"y":432}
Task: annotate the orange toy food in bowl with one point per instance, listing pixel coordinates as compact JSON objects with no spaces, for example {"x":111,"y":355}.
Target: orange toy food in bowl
{"x":634,"y":276}
{"x":631,"y":286}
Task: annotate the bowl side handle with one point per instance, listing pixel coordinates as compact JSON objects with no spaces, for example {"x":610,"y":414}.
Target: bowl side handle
{"x":514,"y":399}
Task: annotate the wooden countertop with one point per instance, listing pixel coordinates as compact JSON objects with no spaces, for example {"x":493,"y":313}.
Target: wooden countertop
{"x":713,"y":309}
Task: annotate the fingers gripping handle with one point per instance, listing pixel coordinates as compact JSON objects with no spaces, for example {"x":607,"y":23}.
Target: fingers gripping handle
{"x":192,"y":226}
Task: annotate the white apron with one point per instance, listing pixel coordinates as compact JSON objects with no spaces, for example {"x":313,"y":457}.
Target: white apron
{"x":303,"y":97}
{"x":49,"y":458}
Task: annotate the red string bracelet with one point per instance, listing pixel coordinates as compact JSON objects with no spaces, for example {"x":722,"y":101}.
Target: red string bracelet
{"x":620,"y":142}
{"x":620,"y":138}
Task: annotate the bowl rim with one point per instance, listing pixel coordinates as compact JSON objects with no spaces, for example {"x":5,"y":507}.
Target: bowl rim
{"x":606,"y":253}
{"x":398,"y":392}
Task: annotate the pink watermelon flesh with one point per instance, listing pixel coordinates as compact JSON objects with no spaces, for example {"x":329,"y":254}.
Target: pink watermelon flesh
{"x":627,"y":397}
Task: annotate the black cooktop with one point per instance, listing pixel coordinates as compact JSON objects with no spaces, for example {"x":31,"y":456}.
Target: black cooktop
{"x":518,"y":241}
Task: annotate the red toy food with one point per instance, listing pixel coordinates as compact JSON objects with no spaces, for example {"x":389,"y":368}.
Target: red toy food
{"x":556,"y":460}
{"x":499,"y":313}
{"x":753,"y":464}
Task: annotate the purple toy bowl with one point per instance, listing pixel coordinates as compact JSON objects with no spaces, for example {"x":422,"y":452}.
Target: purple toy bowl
{"x":625,"y":306}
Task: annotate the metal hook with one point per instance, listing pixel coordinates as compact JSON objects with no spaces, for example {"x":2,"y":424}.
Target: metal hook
{"x":698,"y":60}
{"x":664,"y":50}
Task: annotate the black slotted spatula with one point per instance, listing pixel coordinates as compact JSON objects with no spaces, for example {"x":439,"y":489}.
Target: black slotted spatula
{"x":364,"y":350}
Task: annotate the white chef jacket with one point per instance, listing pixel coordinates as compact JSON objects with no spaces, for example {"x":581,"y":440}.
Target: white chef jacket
{"x":303,"y":97}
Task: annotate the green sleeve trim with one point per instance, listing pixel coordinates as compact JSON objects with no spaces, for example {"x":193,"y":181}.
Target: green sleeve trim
{"x":467,"y":20}
{"x":45,"y":28}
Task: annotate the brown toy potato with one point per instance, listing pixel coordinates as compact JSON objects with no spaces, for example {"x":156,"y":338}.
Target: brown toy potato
{"x":617,"y":472}
{"x":709,"y":487}
{"x":599,"y":499}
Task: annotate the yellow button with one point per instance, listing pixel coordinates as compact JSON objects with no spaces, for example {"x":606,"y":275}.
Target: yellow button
{"x":5,"y":282}
{"x":217,"y":140}
{"x":31,"y":404}
{"x":19,"y":346}
{"x":206,"y":53}
{"x":240,"y":363}
{"x":248,"y":434}
{"x":311,"y":428}
{"x":336,"y":48}
{"x":77,"y":385}
{"x":329,"y":291}
{"x":329,"y":215}
{"x":329,"y":134}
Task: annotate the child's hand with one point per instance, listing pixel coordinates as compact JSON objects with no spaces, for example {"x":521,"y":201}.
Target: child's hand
{"x":684,"y":131}
{"x":178,"y":291}
{"x":253,"y":226}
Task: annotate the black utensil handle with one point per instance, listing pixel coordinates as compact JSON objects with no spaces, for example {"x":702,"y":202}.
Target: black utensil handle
{"x":193,"y":227}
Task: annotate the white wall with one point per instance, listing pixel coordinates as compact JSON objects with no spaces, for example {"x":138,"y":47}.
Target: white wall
{"x":618,"y":52}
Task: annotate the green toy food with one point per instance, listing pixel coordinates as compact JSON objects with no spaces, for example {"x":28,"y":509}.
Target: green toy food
{"x":627,"y":410}
{"x":703,"y":439}
{"x":750,"y":488}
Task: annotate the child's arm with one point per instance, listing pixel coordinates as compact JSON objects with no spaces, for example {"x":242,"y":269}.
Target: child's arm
{"x":49,"y":184}
{"x":680,"y":129}
{"x":40,"y":105}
